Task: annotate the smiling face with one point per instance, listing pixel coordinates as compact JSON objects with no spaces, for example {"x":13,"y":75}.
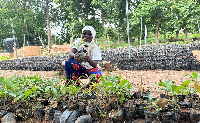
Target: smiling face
{"x":87,"y":35}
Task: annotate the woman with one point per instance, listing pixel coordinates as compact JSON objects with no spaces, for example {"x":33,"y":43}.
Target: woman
{"x":84,"y":58}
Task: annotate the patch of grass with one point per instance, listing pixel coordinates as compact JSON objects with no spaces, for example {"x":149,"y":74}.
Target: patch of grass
{"x":196,"y":35}
{"x":114,"y":45}
{"x":4,"y":58}
{"x":184,"y":42}
{"x":151,"y":40}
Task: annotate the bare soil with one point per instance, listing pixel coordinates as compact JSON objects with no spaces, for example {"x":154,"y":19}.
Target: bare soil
{"x":147,"y":80}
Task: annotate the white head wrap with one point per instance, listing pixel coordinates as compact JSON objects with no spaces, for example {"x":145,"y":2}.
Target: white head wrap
{"x":90,"y":49}
{"x":91,"y":29}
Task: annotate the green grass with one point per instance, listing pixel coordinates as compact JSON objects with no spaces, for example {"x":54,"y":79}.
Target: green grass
{"x":196,"y":35}
{"x":151,"y":40}
{"x":4,"y":58}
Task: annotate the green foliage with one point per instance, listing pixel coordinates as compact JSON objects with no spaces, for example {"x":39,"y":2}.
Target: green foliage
{"x":28,"y":18}
{"x":4,"y":58}
{"x":196,"y":35}
{"x":113,"y":45}
{"x":195,"y":80}
{"x":175,"y":89}
{"x":113,"y":86}
{"x":24,"y":88}
{"x":152,"y":103}
{"x":184,"y":42}
{"x":73,"y":91}
{"x":194,"y":76}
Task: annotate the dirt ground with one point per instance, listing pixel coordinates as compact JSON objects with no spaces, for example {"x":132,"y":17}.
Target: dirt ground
{"x":148,"y":80}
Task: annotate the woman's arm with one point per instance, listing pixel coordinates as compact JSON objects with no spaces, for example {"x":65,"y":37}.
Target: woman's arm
{"x":72,"y":53}
{"x":93,"y":63}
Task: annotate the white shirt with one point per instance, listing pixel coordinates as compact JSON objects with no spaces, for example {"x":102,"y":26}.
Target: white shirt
{"x":96,"y":53}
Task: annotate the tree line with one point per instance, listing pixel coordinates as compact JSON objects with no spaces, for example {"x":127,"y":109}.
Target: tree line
{"x":33,"y":19}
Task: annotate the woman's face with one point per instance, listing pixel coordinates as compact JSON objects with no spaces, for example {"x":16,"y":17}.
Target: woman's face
{"x":87,"y":35}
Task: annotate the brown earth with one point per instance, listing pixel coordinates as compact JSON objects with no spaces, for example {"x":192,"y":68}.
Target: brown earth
{"x":196,"y":53}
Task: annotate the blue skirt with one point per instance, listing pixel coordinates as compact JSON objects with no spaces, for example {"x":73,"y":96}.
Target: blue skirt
{"x":74,"y":71}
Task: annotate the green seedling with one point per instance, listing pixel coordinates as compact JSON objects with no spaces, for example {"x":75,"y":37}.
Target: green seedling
{"x":195,"y":79}
{"x":158,"y":104}
{"x":73,"y":91}
{"x":113,"y":86}
{"x":175,"y":89}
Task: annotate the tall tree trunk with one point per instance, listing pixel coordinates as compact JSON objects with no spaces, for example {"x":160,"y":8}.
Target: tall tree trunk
{"x":165,"y":37}
{"x":48,"y":26}
{"x":157,"y":29}
{"x":41,"y":41}
{"x":185,"y":35}
{"x":177,"y":32}
{"x":25,"y":25}
{"x":102,"y":19}
{"x":119,"y":38}
{"x":107,"y":39}
{"x":102,"y":24}
{"x":26,"y":32}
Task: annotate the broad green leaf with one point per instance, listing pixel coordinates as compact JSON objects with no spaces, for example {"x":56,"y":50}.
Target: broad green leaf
{"x":117,"y":86}
{"x":122,"y":97}
{"x":93,"y":75}
{"x":150,"y":97}
{"x":47,"y":88}
{"x":168,"y":85}
{"x":108,"y":79}
{"x":7,"y":85}
{"x":122,"y":82}
{"x":27,"y":93}
{"x":129,"y":86}
{"x":34,"y":89}
{"x":2,"y":93}
{"x":113,"y":89}
{"x":185,"y":84}
{"x":108,"y":89}
{"x":195,"y":75}
{"x":109,"y":84}
{"x":54,"y":92}
{"x":12,"y":94}
{"x":17,"y":98}
{"x":162,"y":84}
{"x":119,"y":77}
{"x":173,"y":88}
{"x":103,"y":80}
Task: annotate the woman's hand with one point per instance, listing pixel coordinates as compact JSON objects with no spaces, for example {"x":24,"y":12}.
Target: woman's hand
{"x":72,"y":53}
{"x":78,"y":58}
{"x":87,"y":58}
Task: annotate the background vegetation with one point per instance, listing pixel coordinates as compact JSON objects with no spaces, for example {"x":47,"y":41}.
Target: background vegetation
{"x":163,"y":19}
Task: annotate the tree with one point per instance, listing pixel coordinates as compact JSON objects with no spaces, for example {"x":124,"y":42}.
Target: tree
{"x":27,"y":19}
{"x":189,"y":12}
{"x":48,"y":25}
{"x":154,"y":12}
{"x":76,"y":14}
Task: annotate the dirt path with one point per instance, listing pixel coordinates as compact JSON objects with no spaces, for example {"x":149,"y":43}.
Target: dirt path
{"x":149,"y":79}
